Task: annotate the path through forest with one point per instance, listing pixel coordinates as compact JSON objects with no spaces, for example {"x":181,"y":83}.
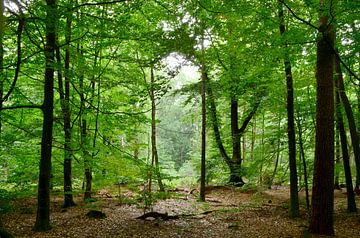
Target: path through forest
{"x":228,"y":212}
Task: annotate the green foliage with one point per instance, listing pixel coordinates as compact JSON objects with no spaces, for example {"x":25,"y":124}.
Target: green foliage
{"x":111,"y":51}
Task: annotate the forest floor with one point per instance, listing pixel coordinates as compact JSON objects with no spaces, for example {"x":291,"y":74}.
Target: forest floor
{"x":228,"y":212}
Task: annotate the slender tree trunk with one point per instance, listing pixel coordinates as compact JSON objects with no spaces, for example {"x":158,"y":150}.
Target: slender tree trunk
{"x":277,"y":155}
{"x":351,"y":120}
{"x":154,"y":152}
{"x":204,"y":80}
{"x":303,"y":162}
{"x":43,"y":207}
{"x":294,"y":197}
{"x":84,"y":140}
{"x":253,"y":138}
{"x":87,"y":160}
{"x":321,"y":221}
{"x":68,"y":196}
{"x":340,"y":127}
{"x":337,"y":159}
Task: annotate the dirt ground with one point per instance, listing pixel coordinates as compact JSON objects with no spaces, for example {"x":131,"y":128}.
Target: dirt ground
{"x":228,"y":212}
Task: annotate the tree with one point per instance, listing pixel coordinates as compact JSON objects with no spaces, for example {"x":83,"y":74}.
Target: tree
{"x":351,"y":120}
{"x":321,"y":221}
{"x":345,"y":153}
{"x":43,"y":208}
{"x":294,"y":199}
{"x":154,"y":152}
{"x":204,"y":80}
{"x":65,"y":106}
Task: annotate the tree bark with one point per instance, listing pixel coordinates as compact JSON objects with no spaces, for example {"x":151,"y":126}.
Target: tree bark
{"x":43,"y":207}
{"x":321,"y":221}
{"x":351,"y":205}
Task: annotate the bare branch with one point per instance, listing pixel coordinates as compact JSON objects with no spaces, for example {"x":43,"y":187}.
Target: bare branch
{"x":97,"y":4}
{"x":18,"y":62}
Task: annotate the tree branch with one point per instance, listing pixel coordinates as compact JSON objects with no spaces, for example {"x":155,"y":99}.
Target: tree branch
{"x":96,"y":4}
{"x":22,"y":106}
{"x":18,"y":62}
{"x":322,"y":32}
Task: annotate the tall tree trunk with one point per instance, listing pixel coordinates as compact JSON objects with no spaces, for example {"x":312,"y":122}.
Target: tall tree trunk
{"x":235,"y":168}
{"x":204,"y":80}
{"x":351,"y":120}
{"x":43,"y":207}
{"x":321,"y":221}
{"x":84,"y":140}
{"x":294,"y":197}
{"x":340,"y":127}
{"x":65,"y":104}
{"x":154,"y":152}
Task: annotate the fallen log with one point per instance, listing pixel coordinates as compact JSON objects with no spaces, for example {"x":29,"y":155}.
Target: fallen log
{"x":165,"y":216}
{"x":157,"y":215}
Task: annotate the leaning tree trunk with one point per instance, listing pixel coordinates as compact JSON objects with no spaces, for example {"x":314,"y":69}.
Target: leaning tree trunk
{"x":321,"y":221}
{"x":351,"y":120}
{"x":294,"y":196}
{"x":340,"y":127}
{"x":43,"y":207}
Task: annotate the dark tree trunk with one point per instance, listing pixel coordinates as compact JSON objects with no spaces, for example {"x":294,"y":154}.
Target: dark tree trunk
{"x":65,"y":106}
{"x":43,"y":207}
{"x":337,"y":159}
{"x":321,"y":221}
{"x":235,"y":168}
{"x":294,"y":197}
{"x":68,"y":196}
{"x":154,"y":152}
{"x":341,"y":128}
{"x":233,"y":163}
{"x":87,"y":161}
{"x":204,"y":79}
{"x":351,"y":120}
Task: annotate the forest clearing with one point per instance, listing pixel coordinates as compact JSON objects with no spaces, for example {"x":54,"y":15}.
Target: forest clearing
{"x":174,"y":118}
{"x":228,"y":212}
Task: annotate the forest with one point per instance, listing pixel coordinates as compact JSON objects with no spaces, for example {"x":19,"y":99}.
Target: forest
{"x":179,"y":118}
